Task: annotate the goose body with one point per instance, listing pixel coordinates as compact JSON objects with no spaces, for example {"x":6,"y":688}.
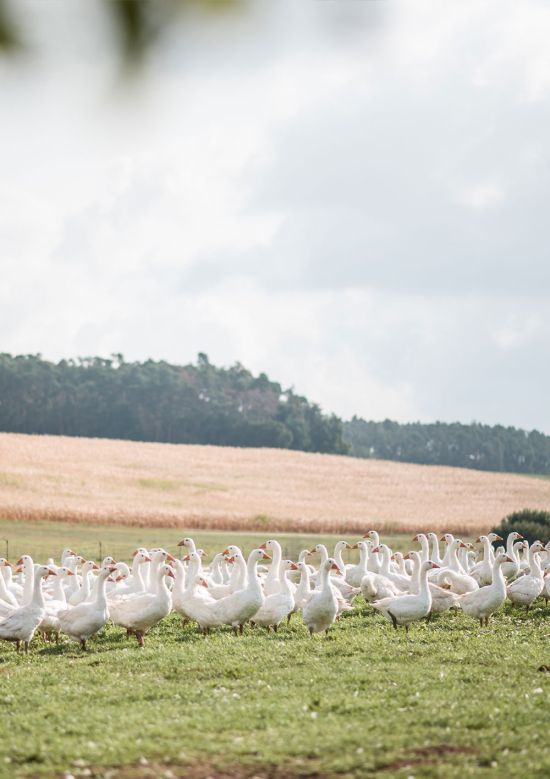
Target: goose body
{"x":404,"y":609}
{"x":87,"y":618}
{"x":281,"y":604}
{"x":141,"y":612}
{"x":524,"y":590}
{"x":21,"y":623}
{"x":483,"y":602}
{"x":240,"y":606}
{"x":321,"y":609}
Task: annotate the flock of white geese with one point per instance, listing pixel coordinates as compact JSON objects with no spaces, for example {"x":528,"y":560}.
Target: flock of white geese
{"x":78,"y":596}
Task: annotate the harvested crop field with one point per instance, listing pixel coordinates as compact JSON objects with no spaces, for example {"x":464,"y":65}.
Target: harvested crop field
{"x":135,"y":483}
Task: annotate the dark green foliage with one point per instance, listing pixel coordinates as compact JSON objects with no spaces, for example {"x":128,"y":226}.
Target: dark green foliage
{"x":483,"y":447}
{"x":157,"y":401}
{"x":531,"y":523}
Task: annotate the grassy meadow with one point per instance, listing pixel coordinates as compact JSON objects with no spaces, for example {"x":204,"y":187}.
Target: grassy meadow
{"x":255,"y":490}
{"x":449,"y":700}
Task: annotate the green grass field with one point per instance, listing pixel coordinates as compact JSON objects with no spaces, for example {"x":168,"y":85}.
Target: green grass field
{"x":449,"y":700}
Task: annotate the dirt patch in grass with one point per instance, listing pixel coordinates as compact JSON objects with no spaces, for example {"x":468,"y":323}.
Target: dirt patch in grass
{"x":168,"y":770}
{"x":426,"y":756}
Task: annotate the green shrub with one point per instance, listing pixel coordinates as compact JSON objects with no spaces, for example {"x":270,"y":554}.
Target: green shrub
{"x":533,"y":524}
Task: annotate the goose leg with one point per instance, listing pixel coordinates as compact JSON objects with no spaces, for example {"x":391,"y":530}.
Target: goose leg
{"x":481,"y":621}
{"x":83,"y":644}
{"x":139,"y":636}
{"x":393,"y":619}
{"x":236,"y":630}
{"x":26,"y":644}
{"x":275,"y":628}
{"x":18,"y":646}
{"x":241,"y":629}
{"x":288,"y":618}
{"x":311,"y":631}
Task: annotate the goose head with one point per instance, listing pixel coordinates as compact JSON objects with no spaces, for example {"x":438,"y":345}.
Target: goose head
{"x":258,"y":554}
{"x":448,"y":538}
{"x":330,"y":564}
{"x":232,"y":551}
{"x":341,"y":545}
{"x":188,"y":542}
{"x":288,"y":565}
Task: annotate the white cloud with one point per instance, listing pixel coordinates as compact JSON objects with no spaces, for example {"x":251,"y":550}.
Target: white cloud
{"x":351,"y":197}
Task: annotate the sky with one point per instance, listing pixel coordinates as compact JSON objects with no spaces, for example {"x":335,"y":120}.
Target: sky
{"x":352,"y":196}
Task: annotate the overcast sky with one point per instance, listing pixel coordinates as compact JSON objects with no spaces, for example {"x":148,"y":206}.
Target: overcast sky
{"x":350,"y":195}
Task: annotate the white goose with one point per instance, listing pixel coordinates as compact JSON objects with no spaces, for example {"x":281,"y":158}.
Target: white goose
{"x":527,"y":588}
{"x":142,"y":611}
{"x":510,"y":570}
{"x":482,"y":603}
{"x":356,"y":573}
{"x":404,"y":609}
{"x":321,"y":609}
{"x":21,"y":623}
{"x":53,"y":604}
{"x":278,"y":605}
{"x":84,"y":620}
{"x":303,"y":590}
{"x":241,"y":605}
{"x":83,"y":593}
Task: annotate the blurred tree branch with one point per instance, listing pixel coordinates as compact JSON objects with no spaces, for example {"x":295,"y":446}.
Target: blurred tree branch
{"x":137,"y":23}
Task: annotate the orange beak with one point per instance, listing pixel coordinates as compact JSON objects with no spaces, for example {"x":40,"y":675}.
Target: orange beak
{"x":376,"y":549}
{"x":334,"y":567}
{"x":171,"y":574}
{"x":51,"y":572}
{"x":186,"y":557}
{"x":518,"y":536}
{"x":498,"y":538}
{"x":293,"y":567}
{"x":204,"y":583}
{"x":170,"y":557}
{"x":70,"y":573}
{"x":263,"y":546}
{"x":182,"y":543}
{"x":478,"y":540}
{"x":436,"y":565}
{"x":225,"y":551}
{"x":230,"y":559}
{"x":20,"y":561}
{"x":95,"y":567}
{"x":265,"y":556}
{"x":19,"y":569}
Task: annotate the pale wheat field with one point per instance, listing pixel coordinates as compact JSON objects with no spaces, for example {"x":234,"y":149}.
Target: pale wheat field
{"x":77,"y":479}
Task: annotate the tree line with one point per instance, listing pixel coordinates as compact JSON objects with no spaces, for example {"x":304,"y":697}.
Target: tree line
{"x":201,"y":403}
{"x":157,"y":401}
{"x":483,"y":447}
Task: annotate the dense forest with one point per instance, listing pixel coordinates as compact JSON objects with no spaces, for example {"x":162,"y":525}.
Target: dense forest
{"x":157,"y":401}
{"x":485,"y":447}
{"x":205,"y":404}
